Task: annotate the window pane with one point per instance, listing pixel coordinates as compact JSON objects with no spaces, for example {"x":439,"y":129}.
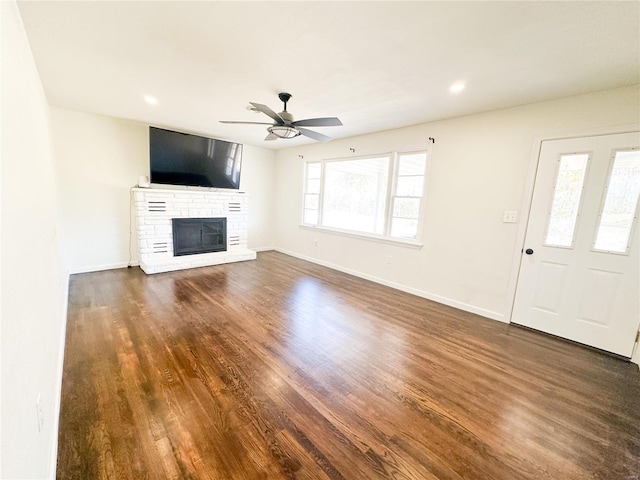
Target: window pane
{"x":409,"y":186}
{"x":312,"y":193}
{"x":566,"y":200}
{"x":313,"y":170}
{"x":412,"y":164}
{"x":311,"y":202}
{"x":355,"y":194}
{"x":406,"y":207}
{"x":404,"y":228}
{"x":620,"y":203}
{"x":310,"y":217}
{"x":313,"y":185}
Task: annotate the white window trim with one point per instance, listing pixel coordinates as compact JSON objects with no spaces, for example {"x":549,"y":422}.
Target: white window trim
{"x":367,"y":236}
{"x":391,"y":190}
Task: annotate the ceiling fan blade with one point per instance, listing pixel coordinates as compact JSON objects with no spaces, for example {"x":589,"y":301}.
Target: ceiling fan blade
{"x":267,"y":111}
{"x":318,"y":122}
{"x":315,"y":135}
{"x":245,"y":123}
{"x":271,"y":136}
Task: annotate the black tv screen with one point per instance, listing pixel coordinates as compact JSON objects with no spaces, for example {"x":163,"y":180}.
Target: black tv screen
{"x":185,"y":159}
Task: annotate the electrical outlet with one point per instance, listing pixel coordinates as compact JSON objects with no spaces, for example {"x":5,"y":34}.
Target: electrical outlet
{"x":315,"y":242}
{"x":388,"y":259}
{"x":39,"y":414}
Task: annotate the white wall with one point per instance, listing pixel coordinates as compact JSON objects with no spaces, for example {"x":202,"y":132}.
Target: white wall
{"x":33,"y":280}
{"x":479,"y":168}
{"x":99,"y":159}
{"x":258,"y":179}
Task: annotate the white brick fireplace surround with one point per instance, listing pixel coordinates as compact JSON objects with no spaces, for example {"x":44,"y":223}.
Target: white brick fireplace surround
{"x":154,"y":209}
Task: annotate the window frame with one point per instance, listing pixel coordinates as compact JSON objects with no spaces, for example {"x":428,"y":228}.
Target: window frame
{"x":305,"y":191}
{"x":390,"y":196}
{"x":393,"y":195}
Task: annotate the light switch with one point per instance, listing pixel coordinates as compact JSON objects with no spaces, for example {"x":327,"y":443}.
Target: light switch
{"x":510,"y":217}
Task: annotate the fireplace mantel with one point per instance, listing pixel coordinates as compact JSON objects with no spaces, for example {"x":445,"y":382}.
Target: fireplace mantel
{"x":154,"y":210}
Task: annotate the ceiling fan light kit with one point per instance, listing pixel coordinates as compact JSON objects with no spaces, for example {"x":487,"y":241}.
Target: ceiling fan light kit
{"x":282,"y":131}
{"x":284,"y":125}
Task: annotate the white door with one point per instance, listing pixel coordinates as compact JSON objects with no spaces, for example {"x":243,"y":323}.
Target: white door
{"x":579,"y":273}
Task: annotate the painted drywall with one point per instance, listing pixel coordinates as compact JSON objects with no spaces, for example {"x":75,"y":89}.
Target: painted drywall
{"x":99,"y":159}
{"x":258,"y":180}
{"x":479,"y":168}
{"x":33,"y":278}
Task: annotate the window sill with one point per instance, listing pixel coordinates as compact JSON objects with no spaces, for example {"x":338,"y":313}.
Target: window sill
{"x":366,"y":236}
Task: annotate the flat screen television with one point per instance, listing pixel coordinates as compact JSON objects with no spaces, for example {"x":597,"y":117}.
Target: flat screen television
{"x":190,"y":160}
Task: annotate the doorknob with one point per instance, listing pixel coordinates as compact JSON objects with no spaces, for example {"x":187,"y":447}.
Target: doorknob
{"x":528,"y":251}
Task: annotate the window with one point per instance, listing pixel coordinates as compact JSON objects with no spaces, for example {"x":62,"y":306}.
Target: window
{"x":312,"y":193}
{"x":377,"y":195}
{"x":355,"y":194}
{"x":620,"y":203}
{"x":408,"y":195}
{"x":566,"y":199}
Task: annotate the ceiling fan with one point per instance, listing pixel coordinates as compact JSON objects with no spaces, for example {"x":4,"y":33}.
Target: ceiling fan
{"x":284,"y":126}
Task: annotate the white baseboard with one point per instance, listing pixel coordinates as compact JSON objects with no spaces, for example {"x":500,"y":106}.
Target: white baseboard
{"x":113,"y":266}
{"x":262,"y":249}
{"x":99,"y":268}
{"x":414,"y":291}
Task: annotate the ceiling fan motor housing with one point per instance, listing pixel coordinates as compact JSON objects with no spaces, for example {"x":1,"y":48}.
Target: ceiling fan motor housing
{"x":286,"y":116}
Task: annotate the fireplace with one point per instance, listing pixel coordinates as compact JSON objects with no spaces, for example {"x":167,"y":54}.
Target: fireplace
{"x":199,"y":235}
{"x":156,"y":209}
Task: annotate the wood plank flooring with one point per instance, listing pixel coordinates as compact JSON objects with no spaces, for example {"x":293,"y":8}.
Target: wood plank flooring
{"x":282,"y":369}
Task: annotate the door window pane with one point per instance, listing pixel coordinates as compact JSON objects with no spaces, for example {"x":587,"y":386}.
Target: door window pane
{"x":621,"y":200}
{"x":355,"y":194}
{"x":566,"y":199}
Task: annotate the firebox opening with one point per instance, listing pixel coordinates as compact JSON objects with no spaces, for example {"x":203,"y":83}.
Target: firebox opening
{"x":199,"y":235}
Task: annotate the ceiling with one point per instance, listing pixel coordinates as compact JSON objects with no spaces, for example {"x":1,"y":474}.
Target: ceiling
{"x":375,"y":65}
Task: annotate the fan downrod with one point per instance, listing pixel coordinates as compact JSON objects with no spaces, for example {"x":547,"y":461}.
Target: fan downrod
{"x":284,"y":98}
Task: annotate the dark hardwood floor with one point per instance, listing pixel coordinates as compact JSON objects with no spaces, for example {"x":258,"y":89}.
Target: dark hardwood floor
{"x":282,"y":369}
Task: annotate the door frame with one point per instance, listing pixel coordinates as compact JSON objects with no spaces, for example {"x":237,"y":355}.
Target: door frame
{"x":525,"y":207}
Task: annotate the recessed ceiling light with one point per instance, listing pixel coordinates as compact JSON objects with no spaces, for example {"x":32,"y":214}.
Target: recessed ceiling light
{"x":150,"y":100}
{"x":457,"y":87}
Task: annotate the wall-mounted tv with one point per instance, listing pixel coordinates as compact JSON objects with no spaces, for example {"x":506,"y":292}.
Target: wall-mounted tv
{"x":185,"y":159}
